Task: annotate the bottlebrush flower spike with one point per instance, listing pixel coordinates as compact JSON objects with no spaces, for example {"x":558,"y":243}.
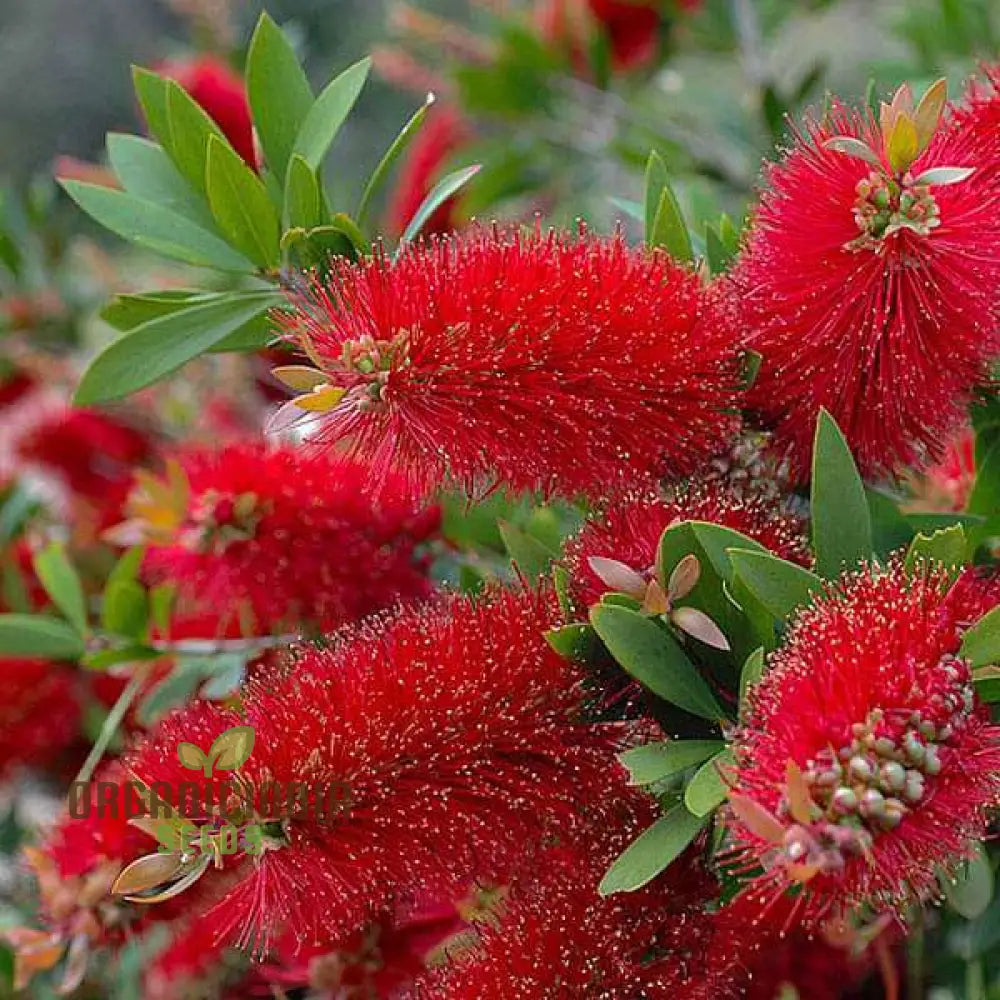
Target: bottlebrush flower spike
{"x":756,"y":955}
{"x":454,"y":729}
{"x":866,"y":761}
{"x":628,"y":535}
{"x":555,"y":936}
{"x":978,"y":116}
{"x":575,"y":365}
{"x":293,"y":539}
{"x":901,"y":214}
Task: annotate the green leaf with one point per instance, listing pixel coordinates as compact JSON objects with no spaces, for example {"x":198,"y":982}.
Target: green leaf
{"x":146,"y":172}
{"x":279,"y":93}
{"x":657,"y":761}
{"x":303,"y":201}
{"x":151,"y":90}
{"x":343,"y":223}
{"x":655,"y":179}
{"x":178,"y":687}
{"x":126,"y":609}
{"x":981,"y":643}
{"x":969,"y":890}
{"x":890,"y":528}
{"x":157,"y":348}
{"x":124,"y":312}
{"x":946,"y":547}
{"x":751,"y":673}
{"x":161,"y":604}
{"x":439,"y":194}
{"x":707,"y":790}
{"x":241,"y":205}
{"x":651,"y":655}
{"x":191,"y":130}
{"x":988,"y":690}
{"x":156,"y":228}
{"x":39,"y":635}
{"x":7,"y":965}
{"x":392,"y":154}
{"x":841,"y":521}
{"x":669,"y":228}
{"x":717,"y":253}
{"x":985,"y":496}
{"x":328,"y":112}
{"x":780,"y":586}
{"x":652,"y":851}
{"x":126,"y":570}
{"x":62,"y":583}
{"x":574,"y":642}
{"x":531,"y":556}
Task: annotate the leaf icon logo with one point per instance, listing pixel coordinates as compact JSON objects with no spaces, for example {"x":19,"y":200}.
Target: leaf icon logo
{"x":230,"y":750}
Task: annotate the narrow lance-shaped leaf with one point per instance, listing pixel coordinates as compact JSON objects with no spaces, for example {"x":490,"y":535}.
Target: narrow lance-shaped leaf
{"x":62,"y":584}
{"x":191,"y":130}
{"x":303,"y":200}
{"x":279,"y":94}
{"x":241,"y":205}
{"x":669,"y":228}
{"x":146,"y":172}
{"x":780,"y":586}
{"x":655,"y":179}
{"x":329,"y":112}
{"x":946,"y":547}
{"x":159,"y":347}
{"x":652,"y":851}
{"x":841,"y":521}
{"x":439,"y":194}
{"x":392,"y":154}
{"x":531,"y":556}
{"x":156,"y":228}
{"x":39,"y":635}
{"x":707,"y":789}
{"x":981,"y":643}
{"x":651,"y":655}
{"x":656,"y":761}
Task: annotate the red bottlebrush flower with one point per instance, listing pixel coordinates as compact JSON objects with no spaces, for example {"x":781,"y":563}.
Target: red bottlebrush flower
{"x":39,"y":712}
{"x":894,"y":361}
{"x":866,"y":761}
{"x":448,"y":740}
{"x":629,"y":532}
{"x":756,"y":955}
{"x":290,"y":538}
{"x":555,"y":936}
{"x":222,"y":95}
{"x":979,"y":116}
{"x":443,"y":135}
{"x":92,"y":453}
{"x":541,"y":361}
{"x":632,"y":27}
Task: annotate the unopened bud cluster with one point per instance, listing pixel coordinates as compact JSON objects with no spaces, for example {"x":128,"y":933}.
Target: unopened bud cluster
{"x":872,"y":782}
{"x":883,"y":207}
{"x":219,"y":519}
